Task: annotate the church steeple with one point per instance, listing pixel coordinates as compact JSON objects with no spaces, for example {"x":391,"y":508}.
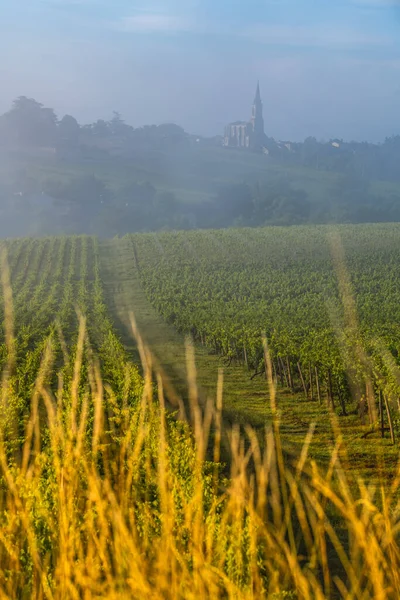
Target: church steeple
{"x":257,"y":121}
{"x":248,"y":134}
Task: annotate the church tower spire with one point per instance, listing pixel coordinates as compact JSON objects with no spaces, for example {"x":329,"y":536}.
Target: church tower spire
{"x":248,"y":134}
{"x":258,"y":94}
{"x":257,"y":122}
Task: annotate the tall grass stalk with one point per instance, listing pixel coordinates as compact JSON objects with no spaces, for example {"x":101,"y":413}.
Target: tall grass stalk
{"x":120,"y":500}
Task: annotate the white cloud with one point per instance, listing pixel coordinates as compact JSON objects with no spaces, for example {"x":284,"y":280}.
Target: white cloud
{"x":164,"y":6}
{"x":154,"y":23}
{"x":317,"y":36}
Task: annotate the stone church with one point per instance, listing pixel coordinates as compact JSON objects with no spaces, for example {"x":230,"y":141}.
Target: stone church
{"x":251,"y":134}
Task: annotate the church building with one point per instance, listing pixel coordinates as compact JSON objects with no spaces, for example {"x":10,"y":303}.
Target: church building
{"x":251,"y":134}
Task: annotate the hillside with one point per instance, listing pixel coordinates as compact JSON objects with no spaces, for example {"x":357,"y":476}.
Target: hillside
{"x":197,"y":171}
{"x":182,"y":188}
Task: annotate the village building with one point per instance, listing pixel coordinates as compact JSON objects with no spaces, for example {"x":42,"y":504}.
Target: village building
{"x":248,"y":134}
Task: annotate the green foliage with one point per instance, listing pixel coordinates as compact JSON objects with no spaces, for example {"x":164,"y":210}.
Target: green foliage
{"x":228,"y":288}
{"x":54,"y":281}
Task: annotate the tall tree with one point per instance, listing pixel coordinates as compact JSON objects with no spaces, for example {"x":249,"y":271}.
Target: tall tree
{"x":118,"y":127}
{"x":101,"y":128}
{"x":68,"y":131}
{"x":30,"y":123}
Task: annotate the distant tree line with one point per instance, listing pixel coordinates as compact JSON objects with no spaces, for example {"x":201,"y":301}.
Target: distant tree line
{"x":350,"y":199}
{"x":362,"y":159}
{"x":88,"y":204}
{"x":29,"y":124}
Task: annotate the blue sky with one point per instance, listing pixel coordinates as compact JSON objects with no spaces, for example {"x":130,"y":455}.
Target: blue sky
{"x":329,"y":68}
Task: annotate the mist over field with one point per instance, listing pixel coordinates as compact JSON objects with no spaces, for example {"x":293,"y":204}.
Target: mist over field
{"x":113,"y":114}
{"x":108,"y":178}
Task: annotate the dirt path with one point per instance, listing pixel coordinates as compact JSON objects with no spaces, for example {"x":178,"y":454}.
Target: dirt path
{"x":245,"y":401}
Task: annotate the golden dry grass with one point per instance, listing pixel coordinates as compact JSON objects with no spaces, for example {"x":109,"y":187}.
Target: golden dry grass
{"x":117,"y":502}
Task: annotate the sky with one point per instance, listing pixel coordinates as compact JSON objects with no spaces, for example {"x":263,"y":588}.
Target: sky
{"x":327,"y":68}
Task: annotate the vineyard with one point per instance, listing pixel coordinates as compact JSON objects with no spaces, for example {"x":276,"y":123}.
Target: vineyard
{"x":56,"y":284}
{"x":106,"y":494}
{"x":327,"y":301}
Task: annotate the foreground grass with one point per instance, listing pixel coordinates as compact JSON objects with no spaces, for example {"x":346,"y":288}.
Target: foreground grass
{"x":106,"y":494}
{"x":108,"y":501}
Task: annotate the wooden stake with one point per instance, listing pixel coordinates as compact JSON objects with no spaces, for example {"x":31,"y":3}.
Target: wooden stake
{"x":302,"y":381}
{"x":311,"y":382}
{"x":284,"y":373}
{"x":289,"y":370}
{"x":389,"y":419}
{"x":330,"y":392}
{"x":318,"y":387}
{"x":381,"y":414}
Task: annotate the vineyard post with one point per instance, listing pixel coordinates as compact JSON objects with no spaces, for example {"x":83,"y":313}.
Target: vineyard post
{"x":389,"y":414}
{"x":371,"y":402}
{"x":381,"y":414}
{"x":289,"y":372}
{"x":281,"y":372}
{"x":330,"y":391}
{"x":302,"y":381}
{"x":318,"y":386}
{"x":273,"y":371}
{"x":275,"y":367}
{"x":284,"y":373}
{"x":311,"y":381}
